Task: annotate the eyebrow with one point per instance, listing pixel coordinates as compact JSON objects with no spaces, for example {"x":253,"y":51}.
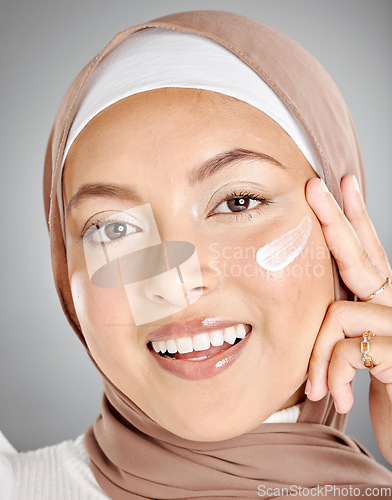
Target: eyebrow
{"x":102,"y":190}
{"x":207,"y":169}
{"x":228,"y":158}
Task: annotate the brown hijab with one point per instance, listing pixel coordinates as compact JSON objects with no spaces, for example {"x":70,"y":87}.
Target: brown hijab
{"x":131,"y":455}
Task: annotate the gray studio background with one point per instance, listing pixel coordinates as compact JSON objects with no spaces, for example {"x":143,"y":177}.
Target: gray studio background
{"x":48,"y":387}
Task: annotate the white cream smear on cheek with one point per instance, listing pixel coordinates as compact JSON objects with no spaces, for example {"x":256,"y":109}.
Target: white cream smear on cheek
{"x":281,"y":252}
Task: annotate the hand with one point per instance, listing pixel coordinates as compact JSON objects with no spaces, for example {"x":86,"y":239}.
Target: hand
{"x":363,"y":266}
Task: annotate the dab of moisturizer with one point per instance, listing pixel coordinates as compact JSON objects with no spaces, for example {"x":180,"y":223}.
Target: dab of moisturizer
{"x":281,"y":252}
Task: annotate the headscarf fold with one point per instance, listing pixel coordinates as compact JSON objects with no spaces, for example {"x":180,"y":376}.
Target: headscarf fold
{"x":131,"y":455}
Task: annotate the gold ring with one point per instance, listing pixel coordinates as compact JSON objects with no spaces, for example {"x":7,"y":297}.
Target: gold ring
{"x":381,"y":289}
{"x":365,"y":349}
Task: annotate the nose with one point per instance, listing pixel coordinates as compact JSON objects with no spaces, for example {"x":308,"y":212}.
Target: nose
{"x":181,"y":283}
{"x":169,"y":288}
{"x":175,"y":281}
{"x":159,"y":280}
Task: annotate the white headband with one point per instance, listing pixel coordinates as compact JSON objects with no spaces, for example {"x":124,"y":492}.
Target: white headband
{"x":159,"y":57}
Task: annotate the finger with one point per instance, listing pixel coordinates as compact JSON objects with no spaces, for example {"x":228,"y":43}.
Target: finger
{"x":347,"y":358}
{"x":356,"y":213}
{"x":355,"y":266}
{"x":341,"y":372}
{"x":343,"y":319}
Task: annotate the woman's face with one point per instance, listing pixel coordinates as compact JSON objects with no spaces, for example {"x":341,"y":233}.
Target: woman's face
{"x":155,"y":145}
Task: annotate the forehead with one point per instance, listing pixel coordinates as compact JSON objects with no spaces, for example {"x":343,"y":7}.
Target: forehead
{"x":172,"y":129}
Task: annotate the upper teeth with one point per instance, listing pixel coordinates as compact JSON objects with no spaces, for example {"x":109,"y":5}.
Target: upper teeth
{"x":201,"y":341}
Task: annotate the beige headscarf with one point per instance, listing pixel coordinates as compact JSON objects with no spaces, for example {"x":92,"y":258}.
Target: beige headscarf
{"x":131,"y":455}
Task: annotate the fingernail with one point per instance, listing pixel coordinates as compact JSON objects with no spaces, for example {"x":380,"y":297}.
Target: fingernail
{"x":308,"y":387}
{"x":323,"y":186}
{"x":336,"y":407}
{"x":355,"y":184}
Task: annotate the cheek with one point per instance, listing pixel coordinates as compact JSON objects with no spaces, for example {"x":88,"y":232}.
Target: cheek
{"x":300,"y":293}
{"x":282,"y":303}
{"x":107,"y":324}
{"x":294,"y":267}
{"x":98,"y":309}
{"x":294,"y":301}
{"x":286,"y":308}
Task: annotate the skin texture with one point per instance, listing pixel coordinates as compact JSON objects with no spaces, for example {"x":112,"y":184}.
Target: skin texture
{"x":151,"y":142}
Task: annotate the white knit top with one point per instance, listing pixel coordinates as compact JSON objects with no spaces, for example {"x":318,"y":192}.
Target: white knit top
{"x":62,"y":471}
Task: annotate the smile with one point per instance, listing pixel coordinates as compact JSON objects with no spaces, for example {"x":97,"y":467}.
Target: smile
{"x":200,"y":342}
{"x":199,"y":354}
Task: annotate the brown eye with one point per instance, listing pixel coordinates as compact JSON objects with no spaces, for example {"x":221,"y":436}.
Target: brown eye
{"x":238,"y":204}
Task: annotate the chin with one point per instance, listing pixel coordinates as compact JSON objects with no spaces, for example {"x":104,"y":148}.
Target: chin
{"x":225,"y":418}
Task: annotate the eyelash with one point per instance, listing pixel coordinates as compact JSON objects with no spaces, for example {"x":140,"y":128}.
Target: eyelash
{"x":239,"y":195}
{"x":86,"y":234}
{"x":96,"y":226}
{"x":100,"y":224}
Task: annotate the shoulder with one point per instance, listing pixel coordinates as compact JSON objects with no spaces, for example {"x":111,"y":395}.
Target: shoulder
{"x":62,"y":471}
{"x":6,"y":475}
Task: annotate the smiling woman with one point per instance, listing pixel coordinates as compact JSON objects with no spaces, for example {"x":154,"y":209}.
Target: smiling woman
{"x":186,"y":138}
{"x":243,"y":197}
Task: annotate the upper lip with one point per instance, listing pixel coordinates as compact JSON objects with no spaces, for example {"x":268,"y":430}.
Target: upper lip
{"x":179,"y":329}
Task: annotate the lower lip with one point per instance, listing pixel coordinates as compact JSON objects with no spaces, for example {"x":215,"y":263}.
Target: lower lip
{"x":196,"y":370}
